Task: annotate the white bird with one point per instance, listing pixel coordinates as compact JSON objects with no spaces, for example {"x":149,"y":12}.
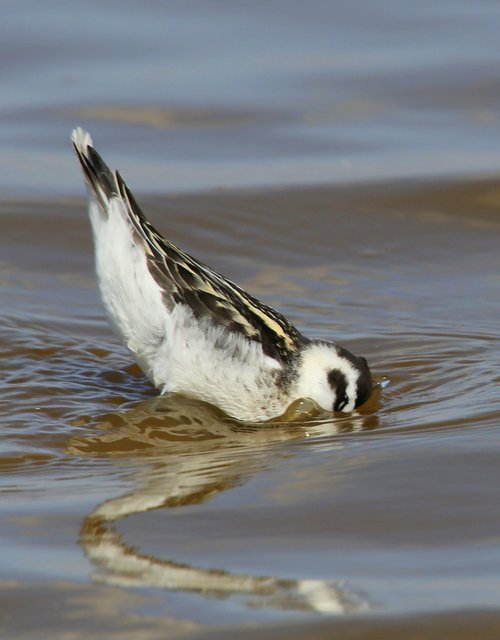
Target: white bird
{"x":196,"y":333}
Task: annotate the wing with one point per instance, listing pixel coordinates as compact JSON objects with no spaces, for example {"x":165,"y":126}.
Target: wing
{"x":185,"y":280}
{"x":208,"y":294}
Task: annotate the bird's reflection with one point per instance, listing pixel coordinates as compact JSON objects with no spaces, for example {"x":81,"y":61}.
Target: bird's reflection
{"x":190,"y":452}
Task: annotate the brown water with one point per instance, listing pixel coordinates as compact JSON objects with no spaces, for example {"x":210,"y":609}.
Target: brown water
{"x":125,"y":514}
{"x":116,"y":501}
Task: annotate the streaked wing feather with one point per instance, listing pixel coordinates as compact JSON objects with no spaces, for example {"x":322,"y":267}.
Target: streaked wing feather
{"x":186,"y":280}
{"x":208,"y":294}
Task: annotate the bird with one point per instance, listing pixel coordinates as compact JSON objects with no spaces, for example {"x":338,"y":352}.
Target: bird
{"x":193,"y":331}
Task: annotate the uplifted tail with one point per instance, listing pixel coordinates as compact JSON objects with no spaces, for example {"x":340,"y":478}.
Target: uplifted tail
{"x":104,"y":183}
{"x":131,"y":296}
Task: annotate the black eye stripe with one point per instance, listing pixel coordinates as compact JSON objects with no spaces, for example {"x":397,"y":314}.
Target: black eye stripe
{"x":338,"y":383}
{"x":364,"y":383}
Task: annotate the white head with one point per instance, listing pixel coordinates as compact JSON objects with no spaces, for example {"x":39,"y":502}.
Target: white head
{"x":333,"y":377}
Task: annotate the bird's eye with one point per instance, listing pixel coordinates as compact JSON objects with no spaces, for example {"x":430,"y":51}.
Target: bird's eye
{"x":341,"y":403}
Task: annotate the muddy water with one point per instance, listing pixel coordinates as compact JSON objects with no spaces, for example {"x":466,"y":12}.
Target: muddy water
{"x":133,"y":511}
{"x":122,"y":513}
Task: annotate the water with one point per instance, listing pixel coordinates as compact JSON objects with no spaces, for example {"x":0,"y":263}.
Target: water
{"x":124,"y":513}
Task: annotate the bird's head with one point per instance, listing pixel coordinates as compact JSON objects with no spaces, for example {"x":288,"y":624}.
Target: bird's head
{"x":333,"y":377}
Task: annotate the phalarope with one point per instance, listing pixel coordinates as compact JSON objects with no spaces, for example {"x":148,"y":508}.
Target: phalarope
{"x":194,"y":332}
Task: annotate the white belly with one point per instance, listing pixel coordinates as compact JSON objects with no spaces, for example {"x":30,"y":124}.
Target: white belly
{"x":176,"y":351}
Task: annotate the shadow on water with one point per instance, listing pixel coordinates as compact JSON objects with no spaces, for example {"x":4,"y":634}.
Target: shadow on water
{"x":189,"y":453}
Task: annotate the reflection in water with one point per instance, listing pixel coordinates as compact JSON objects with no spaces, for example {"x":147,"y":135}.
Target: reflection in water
{"x":193,"y":452}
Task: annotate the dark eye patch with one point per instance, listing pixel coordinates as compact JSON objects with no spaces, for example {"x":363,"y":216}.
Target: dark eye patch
{"x":364,"y":384}
{"x":338,"y":383}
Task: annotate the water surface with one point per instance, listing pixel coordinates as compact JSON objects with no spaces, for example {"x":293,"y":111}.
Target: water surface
{"x":126,"y":514}
{"x":390,"y":509}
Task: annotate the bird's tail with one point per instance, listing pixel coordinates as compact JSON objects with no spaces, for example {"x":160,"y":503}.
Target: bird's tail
{"x":105,"y":185}
{"x":102,"y":182}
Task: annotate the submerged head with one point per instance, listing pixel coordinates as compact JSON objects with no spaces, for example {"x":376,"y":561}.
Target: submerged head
{"x":333,"y":377}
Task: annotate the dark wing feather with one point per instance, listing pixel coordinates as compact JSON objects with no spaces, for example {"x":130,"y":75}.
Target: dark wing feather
{"x":99,"y":177}
{"x":208,"y":294}
{"x":188,"y":281}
